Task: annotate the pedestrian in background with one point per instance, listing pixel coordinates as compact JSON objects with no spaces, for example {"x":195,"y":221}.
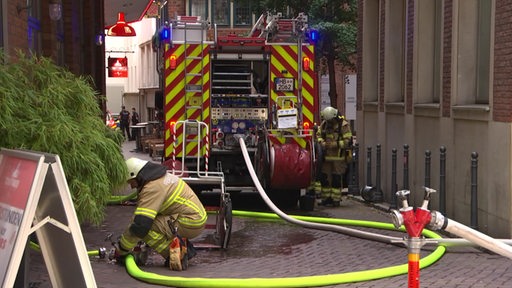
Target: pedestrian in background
{"x":135,"y":121}
{"x":124,"y":117}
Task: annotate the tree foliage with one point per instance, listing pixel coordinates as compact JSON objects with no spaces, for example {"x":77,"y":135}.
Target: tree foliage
{"x":46,"y":108}
{"x":336,"y":21}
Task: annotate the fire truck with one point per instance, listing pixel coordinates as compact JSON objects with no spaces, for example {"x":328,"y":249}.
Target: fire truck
{"x":261,"y":87}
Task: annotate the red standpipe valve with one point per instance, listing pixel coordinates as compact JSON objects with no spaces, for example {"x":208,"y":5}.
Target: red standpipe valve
{"x":414,"y":221}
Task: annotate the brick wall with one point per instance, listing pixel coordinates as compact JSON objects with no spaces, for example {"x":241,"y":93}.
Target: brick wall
{"x":502,"y":100}
{"x":17,"y":35}
{"x":382,"y":52}
{"x":176,"y":8}
{"x":447,"y":58}
{"x":409,"y":55}
{"x":360,"y":13}
{"x":81,"y":21}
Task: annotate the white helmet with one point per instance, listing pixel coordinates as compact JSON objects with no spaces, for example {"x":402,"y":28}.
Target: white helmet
{"x":329,"y":113}
{"x":134,"y":166}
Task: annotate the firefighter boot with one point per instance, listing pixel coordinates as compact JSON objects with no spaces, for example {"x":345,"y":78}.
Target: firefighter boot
{"x":336,"y":196}
{"x":337,"y":186}
{"x":317,"y":189}
{"x":326,"y":196}
{"x":175,"y":255}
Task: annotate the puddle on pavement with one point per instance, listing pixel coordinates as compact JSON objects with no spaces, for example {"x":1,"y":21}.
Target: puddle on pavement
{"x":258,"y":239}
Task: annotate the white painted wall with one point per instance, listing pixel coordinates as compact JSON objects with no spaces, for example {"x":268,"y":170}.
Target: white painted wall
{"x":126,"y":91}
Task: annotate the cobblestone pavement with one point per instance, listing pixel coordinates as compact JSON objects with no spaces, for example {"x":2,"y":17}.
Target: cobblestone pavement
{"x":277,"y":249}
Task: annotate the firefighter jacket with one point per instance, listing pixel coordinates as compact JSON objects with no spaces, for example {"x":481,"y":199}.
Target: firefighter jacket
{"x":165,"y":196}
{"x":334,"y":136}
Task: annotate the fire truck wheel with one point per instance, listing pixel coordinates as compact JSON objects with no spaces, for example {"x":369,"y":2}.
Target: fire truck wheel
{"x":225,"y":222}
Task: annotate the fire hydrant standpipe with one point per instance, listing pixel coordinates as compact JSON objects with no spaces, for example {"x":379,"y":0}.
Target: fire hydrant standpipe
{"x":414,"y":221}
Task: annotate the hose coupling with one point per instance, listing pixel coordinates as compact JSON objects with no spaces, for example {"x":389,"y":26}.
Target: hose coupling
{"x":438,"y":221}
{"x":102,"y":252}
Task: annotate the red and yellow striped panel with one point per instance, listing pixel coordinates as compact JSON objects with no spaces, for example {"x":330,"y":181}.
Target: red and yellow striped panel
{"x":192,"y":61}
{"x":285,"y":62}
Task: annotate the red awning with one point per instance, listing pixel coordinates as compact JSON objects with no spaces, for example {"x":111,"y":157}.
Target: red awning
{"x":134,"y":10}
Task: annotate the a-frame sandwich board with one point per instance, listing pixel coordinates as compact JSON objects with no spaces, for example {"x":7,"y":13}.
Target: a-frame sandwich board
{"x":35,"y":197}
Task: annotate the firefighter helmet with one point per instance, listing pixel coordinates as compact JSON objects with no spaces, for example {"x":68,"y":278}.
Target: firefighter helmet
{"x":134,"y":166}
{"x":329,"y":113}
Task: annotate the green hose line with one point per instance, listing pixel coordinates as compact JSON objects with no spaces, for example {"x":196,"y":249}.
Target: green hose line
{"x":35,"y":246}
{"x":118,"y":199}
{"x":303,"y":281}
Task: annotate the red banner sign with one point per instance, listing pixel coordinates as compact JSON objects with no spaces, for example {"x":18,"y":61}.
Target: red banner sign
{"x":118,"y":67}
{"x":16,"y":177}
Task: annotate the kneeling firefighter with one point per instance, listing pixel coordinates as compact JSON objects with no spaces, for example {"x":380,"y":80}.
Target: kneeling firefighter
{"x":168,"y":213}
{"x":334,"y":137}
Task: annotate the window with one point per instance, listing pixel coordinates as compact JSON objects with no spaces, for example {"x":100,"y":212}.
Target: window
{"x":370,"y":48}
{"x":394,"y":58}
{"x":221,"y":12}
{"x":199,"y":8}
{"x":428,"y":52}
{"x":34,"y":29}
{"x":242,"y":13}
{"x":473,"y":52}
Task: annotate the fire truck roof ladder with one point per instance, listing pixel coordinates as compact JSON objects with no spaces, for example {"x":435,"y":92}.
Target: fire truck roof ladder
{"x":193,"y":81}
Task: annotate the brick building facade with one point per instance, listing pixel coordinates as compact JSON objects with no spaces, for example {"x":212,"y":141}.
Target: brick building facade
{"x":69,"y":41}
{"x":433,"y":75}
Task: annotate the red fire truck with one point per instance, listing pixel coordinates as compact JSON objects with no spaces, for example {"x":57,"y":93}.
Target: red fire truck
{"x":261,"y":87}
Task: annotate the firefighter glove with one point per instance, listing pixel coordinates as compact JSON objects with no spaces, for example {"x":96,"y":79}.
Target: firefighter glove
{"x":120,"y":253}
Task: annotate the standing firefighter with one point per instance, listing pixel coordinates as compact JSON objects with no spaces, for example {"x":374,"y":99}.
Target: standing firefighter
{"x":167,"y":210}
{"x":334,"y":137}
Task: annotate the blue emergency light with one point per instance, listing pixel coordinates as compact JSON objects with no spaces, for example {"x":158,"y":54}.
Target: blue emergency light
{"x":165,"y":33}
{"x":313,"y":35}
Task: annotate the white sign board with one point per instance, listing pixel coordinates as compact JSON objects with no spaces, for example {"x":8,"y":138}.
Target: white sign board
{"x":287,"y":118}
{"x":34,"y":197}
{"x":350,"y":97}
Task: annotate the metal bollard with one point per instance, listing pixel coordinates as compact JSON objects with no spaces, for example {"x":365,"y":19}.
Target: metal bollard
{"x":406,"y":167}
{"x":369,"y":193}
{"x":394,"y":187}
{"x":369,"y":166}
{"x":427,"y":168}
{"x":474,"y":191}
{"x":377,"y":168}
{"x":353,"y":187}
{"x":442,"y":180}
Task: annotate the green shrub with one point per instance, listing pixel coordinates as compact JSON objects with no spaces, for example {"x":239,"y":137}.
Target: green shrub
{"x":46,"y":108}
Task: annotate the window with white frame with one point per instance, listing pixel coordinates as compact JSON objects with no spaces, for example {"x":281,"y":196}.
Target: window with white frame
{"x":223,"y":12}
{"x":199,"y":8}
